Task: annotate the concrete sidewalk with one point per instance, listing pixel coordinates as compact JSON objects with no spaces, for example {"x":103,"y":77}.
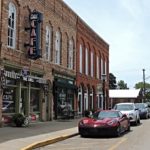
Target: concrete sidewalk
{"x":23,"y":140}
{"x":30,"y":143}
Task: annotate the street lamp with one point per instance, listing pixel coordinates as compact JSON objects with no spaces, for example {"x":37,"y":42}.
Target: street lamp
{"x":104,"y":100}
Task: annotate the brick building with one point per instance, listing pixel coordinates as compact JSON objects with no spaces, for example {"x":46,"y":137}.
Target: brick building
{"x":37,"y":56}
{"x":92,"y":66}
{"x":40,"y":61}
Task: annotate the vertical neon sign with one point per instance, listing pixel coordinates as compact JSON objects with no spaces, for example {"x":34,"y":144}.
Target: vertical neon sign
{"x":34,"y":51}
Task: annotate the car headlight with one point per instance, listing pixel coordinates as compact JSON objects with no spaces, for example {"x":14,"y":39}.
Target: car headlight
{"x":112,"y":122}
{"x":131,"y":114}
{"x":81,"y":123}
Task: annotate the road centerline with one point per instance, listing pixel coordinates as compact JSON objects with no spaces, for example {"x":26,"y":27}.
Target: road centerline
{"x":113,"y":147}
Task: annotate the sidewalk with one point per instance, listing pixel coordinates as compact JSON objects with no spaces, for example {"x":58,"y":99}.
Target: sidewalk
{"x":56,"y":131}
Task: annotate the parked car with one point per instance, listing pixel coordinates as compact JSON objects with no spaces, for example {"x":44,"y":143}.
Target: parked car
{"x":144,"y":110}
{"x":130,"y":110}
{"x":104,"y":122}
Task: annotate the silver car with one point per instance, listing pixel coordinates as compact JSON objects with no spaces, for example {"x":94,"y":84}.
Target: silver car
{"x":130,"y":110}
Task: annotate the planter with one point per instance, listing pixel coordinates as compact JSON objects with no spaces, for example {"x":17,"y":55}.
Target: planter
{"x":18,"y":119}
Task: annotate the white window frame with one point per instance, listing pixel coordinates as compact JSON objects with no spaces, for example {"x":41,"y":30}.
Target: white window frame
{"x":92,"y":64}
{"x":11,"y":26}
{"x":97,"y":70}
{"x":102,"y":71}
{"x":48,"y":44}
{"x":70,"y":54}
{"x":80,"y":60}
{"x":86,"y":62}
{"x":57,"y":47}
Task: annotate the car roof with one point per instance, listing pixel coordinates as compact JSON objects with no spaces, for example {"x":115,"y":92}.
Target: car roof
{"x":112,"y":110}
{"x":124,"y":103}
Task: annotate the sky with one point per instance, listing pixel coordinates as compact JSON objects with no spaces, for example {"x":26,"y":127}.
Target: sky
{"x":125,"y":26}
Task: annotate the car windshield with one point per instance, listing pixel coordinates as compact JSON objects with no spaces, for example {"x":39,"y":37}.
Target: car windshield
{"x":105,"y":114}
{"x":124,"y":107}
{"x":139,"y":105}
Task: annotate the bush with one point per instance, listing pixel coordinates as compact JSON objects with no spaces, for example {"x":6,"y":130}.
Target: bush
{"x":86,"y":113}
{"x":18,"y":119}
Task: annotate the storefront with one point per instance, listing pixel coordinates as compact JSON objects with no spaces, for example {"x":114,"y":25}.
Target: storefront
{"x":64,"y":91}
{"x":23,"y":93}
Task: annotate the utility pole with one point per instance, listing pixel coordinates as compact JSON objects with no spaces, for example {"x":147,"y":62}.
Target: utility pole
{"x":143,"y":85}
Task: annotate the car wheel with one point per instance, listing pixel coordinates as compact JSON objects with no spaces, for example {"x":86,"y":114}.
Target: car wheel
{"x":136,"y":122}
{"x":128,"y":129}
{"x":146,"y":116}
{"x":118,"y":131}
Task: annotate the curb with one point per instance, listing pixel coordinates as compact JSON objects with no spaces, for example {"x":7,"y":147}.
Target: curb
{"x":48,"y":141}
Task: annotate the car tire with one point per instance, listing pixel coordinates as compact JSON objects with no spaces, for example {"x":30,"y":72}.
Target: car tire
{"x":136,"y":122}
{"x":146,"y":116}
{"x":118,"y":131}
{"x":129,"y":127}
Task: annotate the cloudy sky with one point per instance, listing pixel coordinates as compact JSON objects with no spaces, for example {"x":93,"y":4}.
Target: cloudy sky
{"x":125,"y":26}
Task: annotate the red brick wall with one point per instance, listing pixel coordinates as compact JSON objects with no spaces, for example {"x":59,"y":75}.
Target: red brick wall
{"x":89,"y":39}
{"x":55,"y":13}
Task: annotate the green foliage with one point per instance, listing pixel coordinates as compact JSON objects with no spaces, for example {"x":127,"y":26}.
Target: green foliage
{"x":112,"y":81}
{"x":18,"y":119}
{"x":122,"y":85}
{"x":140,"y":85}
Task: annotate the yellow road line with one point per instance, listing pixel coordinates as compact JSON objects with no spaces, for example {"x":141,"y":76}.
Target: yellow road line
{"x":117,"y":144}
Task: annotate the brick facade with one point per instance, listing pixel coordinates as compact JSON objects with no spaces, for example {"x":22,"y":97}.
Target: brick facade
{"x":88,"y":39}
{"x":52,"y":82}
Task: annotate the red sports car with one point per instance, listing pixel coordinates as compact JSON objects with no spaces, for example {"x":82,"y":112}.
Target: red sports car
{"x":104,"y":122}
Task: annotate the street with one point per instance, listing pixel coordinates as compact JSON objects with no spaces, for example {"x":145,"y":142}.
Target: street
{"x":136,"y":139}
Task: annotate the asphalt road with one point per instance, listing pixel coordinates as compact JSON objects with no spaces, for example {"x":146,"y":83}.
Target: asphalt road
{"x":9,"y":133}
{"x":136,"y":139}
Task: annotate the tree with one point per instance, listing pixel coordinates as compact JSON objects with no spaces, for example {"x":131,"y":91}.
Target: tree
{"x":140,"y":85}
{"x":112,"y":81}
{"x":122,"y":85}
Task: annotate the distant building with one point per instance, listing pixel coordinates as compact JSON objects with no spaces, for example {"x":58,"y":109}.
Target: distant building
{"x":127,"y":95}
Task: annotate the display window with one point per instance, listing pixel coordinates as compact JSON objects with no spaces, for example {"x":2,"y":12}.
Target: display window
{"x":8,"y":103}
{"x":34,"y":101}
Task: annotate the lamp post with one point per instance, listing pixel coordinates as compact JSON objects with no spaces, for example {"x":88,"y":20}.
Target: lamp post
{"x":104,"y":100}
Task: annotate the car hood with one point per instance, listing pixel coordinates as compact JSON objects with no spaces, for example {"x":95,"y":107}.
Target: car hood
{"x":91,"y":121}
{"x":127,"y":112}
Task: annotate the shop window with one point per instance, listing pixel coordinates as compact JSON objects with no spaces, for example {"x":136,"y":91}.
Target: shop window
{"x":34,"y":101}
{"x":8,"y":104}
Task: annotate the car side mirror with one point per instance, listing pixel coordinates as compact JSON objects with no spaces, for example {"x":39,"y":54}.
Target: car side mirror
{"x":136,"y":109}
{"x":124,"y":116}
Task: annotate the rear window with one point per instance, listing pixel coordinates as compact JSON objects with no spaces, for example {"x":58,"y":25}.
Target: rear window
{"x":124,"y":107}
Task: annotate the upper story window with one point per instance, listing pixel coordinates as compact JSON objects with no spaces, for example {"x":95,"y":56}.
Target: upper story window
{"x":97,"y":67}
{"x":11,"y":25}
{"x":92,"y":64}
{"x":86,"y":62}
{"x":48,"y":44}
{"x":70,"y":55}
{"x":103,"y":67}
{"x":58,"y":48}
{"x":80,"y":59}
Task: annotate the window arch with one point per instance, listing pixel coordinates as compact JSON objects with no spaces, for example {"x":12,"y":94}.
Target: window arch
{"x":48,"y":43}
{"x":58,"y":48}
{"x":11,"y":25}
{"x":70,"y":54}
